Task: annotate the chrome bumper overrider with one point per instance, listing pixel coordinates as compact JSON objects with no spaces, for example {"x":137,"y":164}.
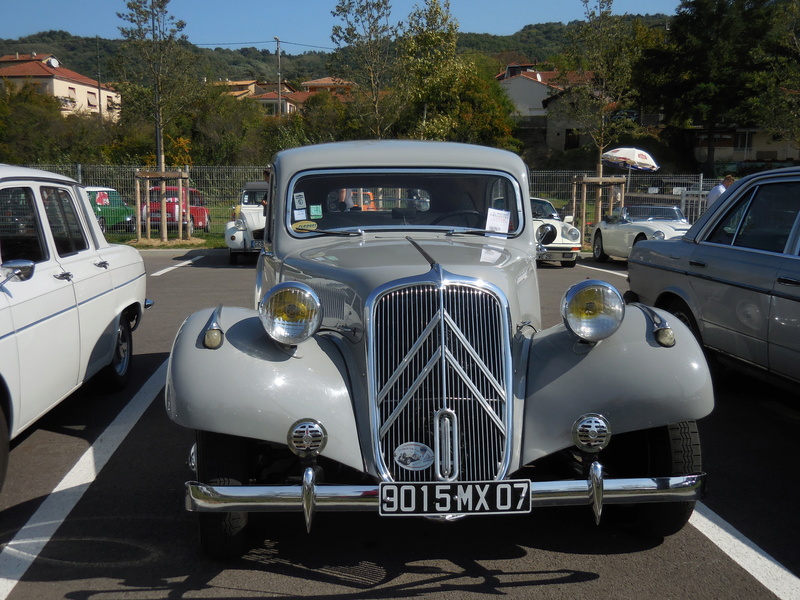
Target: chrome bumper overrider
{"x":310,"y":497}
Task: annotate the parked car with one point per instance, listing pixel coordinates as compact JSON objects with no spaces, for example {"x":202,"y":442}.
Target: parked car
{"x":395,"y":361}
{"x":113,"y":213}
{"x":618,"y":232}
{"x":68,"y":299}
{"x":565,"y":247}
{"x":734,"y":278}
{"x":244,"y":234}
{"x":197,"y":217}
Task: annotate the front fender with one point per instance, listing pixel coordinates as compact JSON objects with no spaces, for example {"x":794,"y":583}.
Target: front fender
{"x":628,"y":378}
{"x":251,"y":387}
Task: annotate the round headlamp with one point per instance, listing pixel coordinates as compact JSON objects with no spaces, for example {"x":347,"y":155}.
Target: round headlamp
{"x":571,"y":233}
{"x":658,"y":235}
{"x":240,"y":224}
{"x":592,"y":310}
{"x":290,"y":312}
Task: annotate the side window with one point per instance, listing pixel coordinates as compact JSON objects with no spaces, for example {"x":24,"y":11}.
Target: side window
{"x":762,"y":220}
{"x":20,"y":229}
{"x":63,"y":219}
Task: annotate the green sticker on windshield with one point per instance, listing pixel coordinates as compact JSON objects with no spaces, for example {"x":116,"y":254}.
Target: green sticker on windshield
{"x":316,"y":211}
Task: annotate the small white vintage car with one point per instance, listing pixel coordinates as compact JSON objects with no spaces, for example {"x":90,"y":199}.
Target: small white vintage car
{"x":617,"y":233}
{"x":395,"y":360}
{"x":244,"y":234}
{"x":68,"y":299}
{"x":566,"y":245}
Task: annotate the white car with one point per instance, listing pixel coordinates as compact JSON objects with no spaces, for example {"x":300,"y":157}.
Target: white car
{"x":244,"y":234}
{"x":617,"y":233}
{"x":567,"y":244}
{"x":69,"y":300}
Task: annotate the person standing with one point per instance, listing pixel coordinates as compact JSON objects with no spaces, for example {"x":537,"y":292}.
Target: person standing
{"x":719,"y":189}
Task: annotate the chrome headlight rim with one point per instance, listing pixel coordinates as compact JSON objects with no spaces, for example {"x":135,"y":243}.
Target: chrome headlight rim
{"x":290,"y":313}
{"x":570,"y":233}
{"x":593,"y":310}
{"x":659,"y":235}
{"x":240,"y":224}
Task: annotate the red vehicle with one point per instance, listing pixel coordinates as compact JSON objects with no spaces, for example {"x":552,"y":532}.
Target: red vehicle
{"x":197,"y":217}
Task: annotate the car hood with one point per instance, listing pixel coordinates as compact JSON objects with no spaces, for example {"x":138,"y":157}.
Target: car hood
{"x":670,"y":228}
{"x":345,"y":273}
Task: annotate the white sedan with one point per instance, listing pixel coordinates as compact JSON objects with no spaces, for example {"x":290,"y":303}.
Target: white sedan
{"x":626,"y":226}
{"x":69,"y":300}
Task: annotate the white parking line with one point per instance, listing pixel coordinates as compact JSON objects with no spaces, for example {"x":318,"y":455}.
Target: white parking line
{"x":606,"y":271}
{"x":42,"y":525}
{"x":178,"y":266}
{"x":772,"y":575}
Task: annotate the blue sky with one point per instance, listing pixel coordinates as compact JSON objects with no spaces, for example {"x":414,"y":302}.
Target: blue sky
{"x":300,"y":24}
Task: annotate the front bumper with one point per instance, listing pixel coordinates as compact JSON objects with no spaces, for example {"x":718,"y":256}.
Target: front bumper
{"x":557,"y":253}
{"x":309,"y":497}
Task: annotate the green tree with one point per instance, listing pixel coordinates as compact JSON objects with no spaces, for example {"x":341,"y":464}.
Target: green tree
{"x":366,"y":55}
{"x":28,"y":124}
{"x":712,"y":66}
{"x":155,"y":58}
{"x":599,"y":78}
{"x":776,"y":89}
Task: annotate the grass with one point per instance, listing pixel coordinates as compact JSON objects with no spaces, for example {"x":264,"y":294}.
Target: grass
{"x":211,"y":241}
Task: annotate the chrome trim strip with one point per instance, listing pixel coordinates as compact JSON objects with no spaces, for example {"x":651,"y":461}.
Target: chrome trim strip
{"x":364,"y":498}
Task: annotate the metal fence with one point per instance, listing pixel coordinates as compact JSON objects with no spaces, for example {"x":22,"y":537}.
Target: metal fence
{"x":221,"y":185}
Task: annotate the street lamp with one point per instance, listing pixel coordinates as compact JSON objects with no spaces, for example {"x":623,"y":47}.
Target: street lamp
{"x":279,"y":75}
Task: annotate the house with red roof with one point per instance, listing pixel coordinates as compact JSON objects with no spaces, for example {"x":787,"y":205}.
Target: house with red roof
{"x":77,"y":93}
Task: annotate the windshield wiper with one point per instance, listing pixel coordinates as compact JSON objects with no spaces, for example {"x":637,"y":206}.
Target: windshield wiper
{"x":467,"y":231}
{"x":340,"y":232}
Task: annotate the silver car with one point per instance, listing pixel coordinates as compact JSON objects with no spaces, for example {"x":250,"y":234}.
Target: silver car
{"x":395,"y":361}
{"x":734,"y":277}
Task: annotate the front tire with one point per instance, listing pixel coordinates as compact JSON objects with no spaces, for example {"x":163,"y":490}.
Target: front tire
{"x":597,"y":248}
{"x":671,"y":450}
{"x":222,"y":460}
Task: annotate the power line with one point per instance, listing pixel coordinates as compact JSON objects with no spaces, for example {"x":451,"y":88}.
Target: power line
{"x":268,"y":42}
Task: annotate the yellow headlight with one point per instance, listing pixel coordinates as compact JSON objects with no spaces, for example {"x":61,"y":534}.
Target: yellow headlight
{"x":592,"y":310}
{"x":290,"y":313}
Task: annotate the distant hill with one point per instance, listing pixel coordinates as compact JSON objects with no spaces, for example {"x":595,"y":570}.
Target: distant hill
{"x":93,"y":57}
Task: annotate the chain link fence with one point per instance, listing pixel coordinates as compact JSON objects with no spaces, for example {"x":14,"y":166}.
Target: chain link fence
{"x":221,"y":186}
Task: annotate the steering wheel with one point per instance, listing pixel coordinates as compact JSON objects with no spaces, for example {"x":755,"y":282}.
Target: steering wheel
{"x":459,"y":213}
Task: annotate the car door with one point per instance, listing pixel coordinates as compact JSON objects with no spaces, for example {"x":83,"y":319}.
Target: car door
{"x":784,"y":327}
{"x":736,"y":269}
{"x":612,"y":232}
{"x":43,"y":310}
{"x":90,"y":275}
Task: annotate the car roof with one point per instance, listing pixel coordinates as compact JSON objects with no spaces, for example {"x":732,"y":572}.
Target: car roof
{"x":97,"y":188}
{"x":17,"y":172}
{"x":397,"y":153}
{"x":256,"y":185}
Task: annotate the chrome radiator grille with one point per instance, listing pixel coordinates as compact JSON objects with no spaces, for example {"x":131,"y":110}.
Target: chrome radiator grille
{"x":440,"y":360}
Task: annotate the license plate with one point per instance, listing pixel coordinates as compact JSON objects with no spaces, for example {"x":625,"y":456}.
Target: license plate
{"x":473,"y":497}
{"x":256,"y":243}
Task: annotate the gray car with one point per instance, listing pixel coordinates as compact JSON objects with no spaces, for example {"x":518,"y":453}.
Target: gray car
{"x":734,"y":277}
{"x":394,"y":360}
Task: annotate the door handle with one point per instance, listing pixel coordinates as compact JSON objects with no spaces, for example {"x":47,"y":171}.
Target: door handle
{"x":788,"y":281}
{"x":65,"y":276}
{"x":697,"y":263}
{"x":103,"y":264}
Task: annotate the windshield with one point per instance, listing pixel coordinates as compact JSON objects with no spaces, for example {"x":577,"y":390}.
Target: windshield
{"x":253,"y":197}
{"x":654,"y":213}
{"x":542,"y":209}
{"x":404,"y":200}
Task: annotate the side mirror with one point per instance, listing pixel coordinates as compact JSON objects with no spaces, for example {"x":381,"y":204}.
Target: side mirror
{"x":546,"y":234}
{"x":19,"y":269}
{"x":569,"y":219}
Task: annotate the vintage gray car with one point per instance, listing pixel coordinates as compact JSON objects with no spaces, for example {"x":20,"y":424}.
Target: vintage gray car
{"x":395,"y":360}
{"x":734,"y":278}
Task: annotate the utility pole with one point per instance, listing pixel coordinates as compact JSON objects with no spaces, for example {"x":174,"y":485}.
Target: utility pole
{"x":280,"y":109}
